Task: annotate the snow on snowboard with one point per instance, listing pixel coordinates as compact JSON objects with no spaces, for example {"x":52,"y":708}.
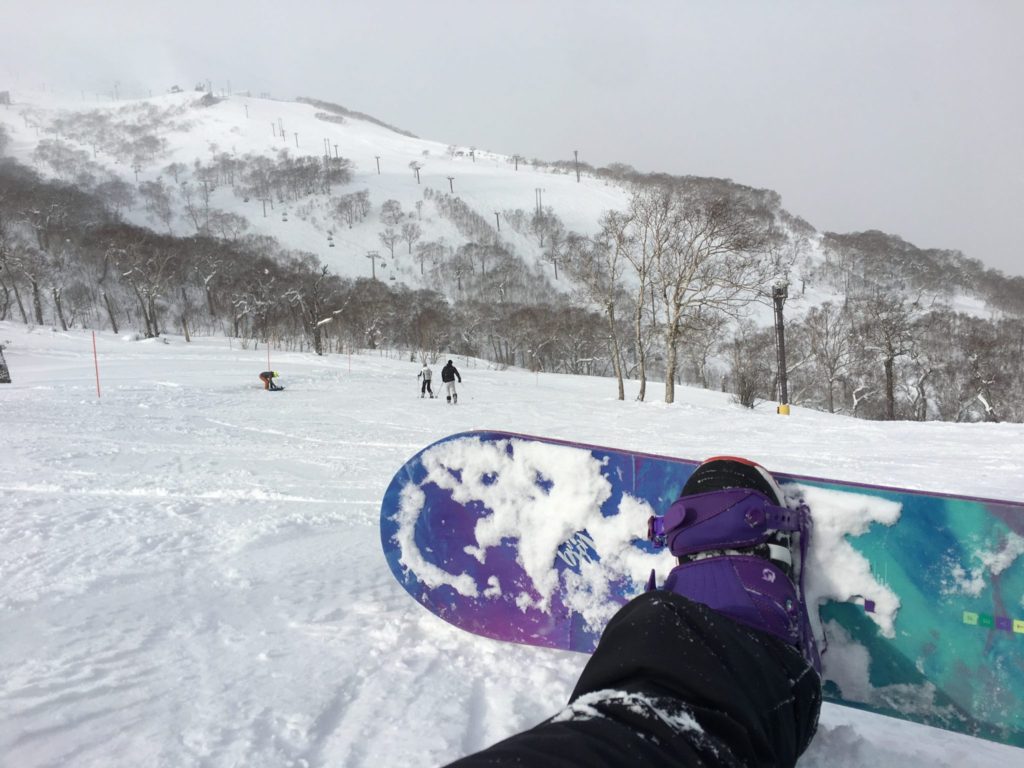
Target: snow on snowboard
{"x":539,"y":541}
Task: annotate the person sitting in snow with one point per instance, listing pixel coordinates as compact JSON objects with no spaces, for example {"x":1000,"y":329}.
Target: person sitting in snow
{"x":719,"y":667}
{"x":425,"y":374}
{"x":267,"y":377}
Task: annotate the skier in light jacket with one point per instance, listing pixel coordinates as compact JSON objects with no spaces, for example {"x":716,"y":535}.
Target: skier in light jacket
{"x":425,"y":374}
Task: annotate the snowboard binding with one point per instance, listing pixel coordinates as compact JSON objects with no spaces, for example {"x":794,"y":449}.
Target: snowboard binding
{"x":740,"y":551}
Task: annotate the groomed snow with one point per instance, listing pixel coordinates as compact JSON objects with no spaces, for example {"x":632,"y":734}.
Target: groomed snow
{"x":191,"y":574}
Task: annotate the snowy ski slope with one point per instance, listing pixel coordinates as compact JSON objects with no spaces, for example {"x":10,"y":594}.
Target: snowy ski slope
{"x":191,"y":574}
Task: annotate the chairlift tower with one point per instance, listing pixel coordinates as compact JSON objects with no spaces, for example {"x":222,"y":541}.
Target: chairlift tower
{"x":373,"y":256}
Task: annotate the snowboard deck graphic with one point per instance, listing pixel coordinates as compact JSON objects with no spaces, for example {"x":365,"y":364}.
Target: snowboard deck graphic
{"x":538,"y":541}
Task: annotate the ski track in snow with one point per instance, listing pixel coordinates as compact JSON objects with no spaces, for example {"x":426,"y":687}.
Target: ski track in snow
{"x":191,"y":574}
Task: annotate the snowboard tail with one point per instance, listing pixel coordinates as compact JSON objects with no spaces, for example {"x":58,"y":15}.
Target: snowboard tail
{"x":916,"y":598}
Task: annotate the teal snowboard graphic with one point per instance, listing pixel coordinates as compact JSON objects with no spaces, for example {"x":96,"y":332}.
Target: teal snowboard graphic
{"x":916,"y":598}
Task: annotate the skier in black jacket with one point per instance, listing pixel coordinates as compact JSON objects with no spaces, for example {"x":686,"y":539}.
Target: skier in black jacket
{"x":448,"y":375}
{"x":717,"y":668}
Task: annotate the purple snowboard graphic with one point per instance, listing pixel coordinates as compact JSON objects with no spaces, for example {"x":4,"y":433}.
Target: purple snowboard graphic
{"x":539,"y":541}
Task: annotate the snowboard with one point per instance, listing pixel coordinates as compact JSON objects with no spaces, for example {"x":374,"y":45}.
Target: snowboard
{"x":915,"y":598}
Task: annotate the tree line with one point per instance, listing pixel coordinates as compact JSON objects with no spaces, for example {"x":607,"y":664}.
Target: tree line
{"x":67,"y":260}
{"x":660,"y":291}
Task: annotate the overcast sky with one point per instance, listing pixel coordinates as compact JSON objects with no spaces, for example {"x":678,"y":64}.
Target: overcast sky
{"x":901,"y":116}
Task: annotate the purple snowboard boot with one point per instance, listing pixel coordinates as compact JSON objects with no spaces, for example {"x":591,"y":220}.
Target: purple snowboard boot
{"x":740,"y":551}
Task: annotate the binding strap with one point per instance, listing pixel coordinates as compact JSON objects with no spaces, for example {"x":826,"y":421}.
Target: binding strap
{"x":735,"y":517}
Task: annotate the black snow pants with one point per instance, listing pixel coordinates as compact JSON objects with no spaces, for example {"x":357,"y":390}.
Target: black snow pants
{"x":672,"y":683}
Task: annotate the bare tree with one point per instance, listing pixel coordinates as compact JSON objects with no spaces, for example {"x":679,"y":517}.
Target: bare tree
{"x":312,"y":293}
{"x":391,"y":213}
{"x":982,"y":381}
{"x":432,"y":250}
{"x":196,"y":201}
{"x":750,"y":367}
{"x":543,"y":222}
{"x":149,"y":271}
{"x":481,"y":253}
{"x":11,"y":260}
{"x":117,"y":194}
{"x":389,"y":237}
{"x":706,"y":329}
{"x":58,"y":264}
{"x":597,"y":266}
{"x":175,"y":170}
{"x":411,"y":232}
{"x":886,"y":325}
{"x":45,"y":219}
{"x":646,"y":229}
{"x":828,"y":330}
{"x":156,"y":200}
{"x":225,"y":225}
{"x":252,"y":296}
{"x":709,"y":260}
{"x":555,"y":250}
{"x":782,"y":251}
{"x":352,"y":208}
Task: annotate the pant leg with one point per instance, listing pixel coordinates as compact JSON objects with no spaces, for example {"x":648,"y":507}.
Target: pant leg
{"x":674,"y":683}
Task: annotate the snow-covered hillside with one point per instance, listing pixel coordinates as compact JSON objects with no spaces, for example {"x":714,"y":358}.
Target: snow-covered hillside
{"x":191,"y":574}
{"x":486,"y":181}
{"x":175,"y":138}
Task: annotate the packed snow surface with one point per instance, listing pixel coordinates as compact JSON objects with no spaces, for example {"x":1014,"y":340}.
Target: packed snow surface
{"x":568,"y":502}
{"x":191,"y":572}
